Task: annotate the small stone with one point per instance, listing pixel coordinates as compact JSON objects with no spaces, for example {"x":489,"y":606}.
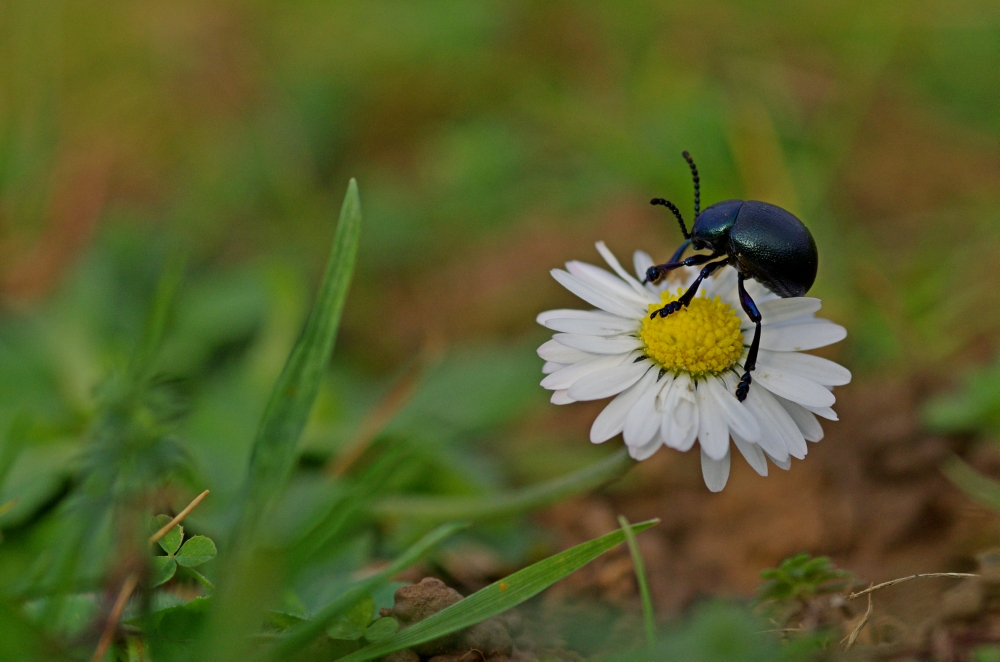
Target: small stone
{"x":416,"y":602}
{"x":490,"y":637}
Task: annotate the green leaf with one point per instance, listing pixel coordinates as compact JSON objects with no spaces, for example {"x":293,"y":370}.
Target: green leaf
{"x":301,"y":636}
{"x":200,"y":578}
{"x":172,"y":540}
{"x":164,"y":568}
{"x":273,"y":454}
{"x":196,"y":551}
{"x":495,"y":506}
{"x":353,"y":623}
{"x":496,"y":598}
{"x":382,"y":628}
{"x":172,"y":632}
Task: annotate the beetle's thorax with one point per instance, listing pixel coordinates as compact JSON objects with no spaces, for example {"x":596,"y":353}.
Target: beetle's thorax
{"x":711,"y":228}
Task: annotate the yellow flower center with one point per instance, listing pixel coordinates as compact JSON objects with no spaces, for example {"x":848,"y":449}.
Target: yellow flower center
{"x":702,"y":339}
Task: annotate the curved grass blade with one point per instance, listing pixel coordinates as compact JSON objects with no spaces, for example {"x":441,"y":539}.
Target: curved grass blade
{"x":303,"y":635}
{"x":496,"y":506}
{"x":970,"y":481}
{"x":292,"y":399}
{"x":496,"y":598}
{"x":648,"y":616}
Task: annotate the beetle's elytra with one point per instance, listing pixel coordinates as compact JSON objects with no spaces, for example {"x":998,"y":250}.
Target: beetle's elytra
{"x":762,"y":241}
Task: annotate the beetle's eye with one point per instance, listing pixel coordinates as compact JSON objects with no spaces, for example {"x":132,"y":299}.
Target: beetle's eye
{"x":652,"y":274}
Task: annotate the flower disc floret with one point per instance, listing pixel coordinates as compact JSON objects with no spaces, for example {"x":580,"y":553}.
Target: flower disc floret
{"x":704,"y":338}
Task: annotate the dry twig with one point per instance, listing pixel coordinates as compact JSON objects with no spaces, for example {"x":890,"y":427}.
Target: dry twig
{"x":893,"y":582}
{"x":116,"y":613}
{"x":857,"y":628}
{"x":177,"y":520}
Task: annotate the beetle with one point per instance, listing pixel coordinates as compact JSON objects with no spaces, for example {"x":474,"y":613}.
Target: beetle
{"x":762,"y":241}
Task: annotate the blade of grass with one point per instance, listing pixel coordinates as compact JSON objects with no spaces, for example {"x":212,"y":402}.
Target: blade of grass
{"x":171,"y":276}
{"x":648,"y":617}
{"x":494,"y":506}
{"x":287,"y":411}
{"x":496,"y":598}
{"x":970,"y":481}
{"x":303,"y":635}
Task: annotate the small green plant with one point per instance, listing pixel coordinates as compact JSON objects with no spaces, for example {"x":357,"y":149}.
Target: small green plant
{"x":193,"y":552}
{"x":804,"y":595}
{"x":801,"y":578}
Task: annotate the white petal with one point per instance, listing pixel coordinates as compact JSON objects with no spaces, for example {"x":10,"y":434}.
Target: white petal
{"x":552,"y":366}
{"x":758,"y":292}
{"x":594,"y":327}
{"x":566,"y":377}
{"x":679,"y":421}
{"x":737,"y":416}
{"x":573,"y":313}
{"x":800,"y":335}
{"x":779,"y":434}
{"x":604,"y":281}
{"x":805,"y":419}
{"x":813,"y":368}
{"x":611,"y":421}
{"x":713,"y":432}
{"x":752,"y":452}
{"x":792,"y":387}
{"x":715,"y":471}
{"x":643,"y":421}
{"x":560,"y":398}
{"x":646,"y":451}
{"x":599,"y":344}
{"x":597,"y":298}
{"x":723,"y":285}
{"x":785,"y":464}
{"x":557,"y":352}
{"x":610,"y":381}
{"x":782,"y":310}
{"x":824,"y":412}
{"x":612,"y":261}
{"x":642,"y":262}
{"x":771,"y":439}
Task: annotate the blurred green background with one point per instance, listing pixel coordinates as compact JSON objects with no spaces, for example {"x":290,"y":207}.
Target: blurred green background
{"x":492,"y":141}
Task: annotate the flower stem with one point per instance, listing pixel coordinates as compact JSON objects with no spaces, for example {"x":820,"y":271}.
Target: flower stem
{"x":521,"y":500}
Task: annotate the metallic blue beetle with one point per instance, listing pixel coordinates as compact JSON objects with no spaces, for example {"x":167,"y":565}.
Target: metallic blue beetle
{"x":762,"y":241}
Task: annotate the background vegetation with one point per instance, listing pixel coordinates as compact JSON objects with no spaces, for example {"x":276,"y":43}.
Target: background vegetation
{"x":170,"y":181}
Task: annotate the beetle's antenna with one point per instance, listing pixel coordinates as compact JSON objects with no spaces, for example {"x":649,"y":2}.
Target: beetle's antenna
{"x":677,"y":214}
{"x":697,"y":183}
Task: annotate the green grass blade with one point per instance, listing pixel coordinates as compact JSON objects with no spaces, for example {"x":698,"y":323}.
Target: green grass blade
{"x":496,"y":506}
{"x":648,"y":617}
{"x":496,"y":598}
{"x":303,"y":635}
{"x":292,"y":399}
{"x":142,"y":360}
{"x":973,"y":483}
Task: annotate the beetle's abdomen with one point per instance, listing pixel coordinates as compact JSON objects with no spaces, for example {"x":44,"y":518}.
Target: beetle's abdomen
{"x":774,"y":247}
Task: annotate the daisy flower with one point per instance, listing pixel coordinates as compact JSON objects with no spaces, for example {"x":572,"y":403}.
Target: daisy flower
{"x":673,"y":378}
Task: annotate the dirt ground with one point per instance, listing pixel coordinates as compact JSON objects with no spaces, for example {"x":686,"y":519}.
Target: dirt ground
{"x":870,"y":495}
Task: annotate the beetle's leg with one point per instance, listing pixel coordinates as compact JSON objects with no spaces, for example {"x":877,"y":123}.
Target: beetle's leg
{"x":751,"y":310}
{"x":680,"y":251}
{"x":654,"y":274}
{"x":685,"y":298}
